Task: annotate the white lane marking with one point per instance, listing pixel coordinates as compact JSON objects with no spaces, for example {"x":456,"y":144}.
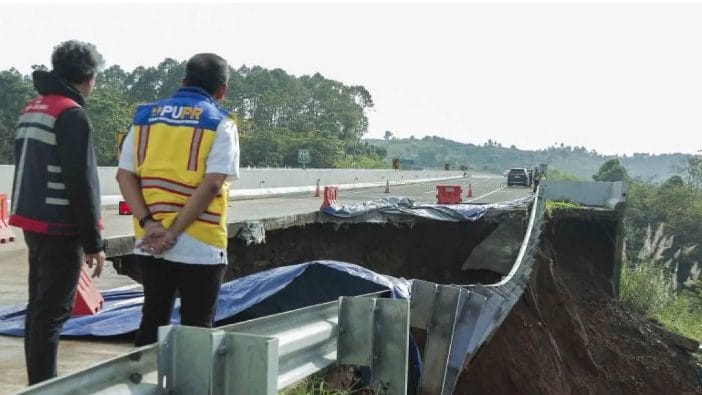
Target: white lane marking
{"x":485,"y":195}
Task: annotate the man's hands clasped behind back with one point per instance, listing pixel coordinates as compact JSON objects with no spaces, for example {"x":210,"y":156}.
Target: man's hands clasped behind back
{"x":157,"y":239}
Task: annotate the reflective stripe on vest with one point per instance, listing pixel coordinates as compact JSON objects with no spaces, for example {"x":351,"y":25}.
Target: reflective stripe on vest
{"x":159,"y":208}
{"x":195,"y":149}
{"x":167,"y":185}
{"x":143,"y":143}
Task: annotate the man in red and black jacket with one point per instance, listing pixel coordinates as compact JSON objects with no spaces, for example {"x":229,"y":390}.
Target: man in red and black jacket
{"x":56,"y":198}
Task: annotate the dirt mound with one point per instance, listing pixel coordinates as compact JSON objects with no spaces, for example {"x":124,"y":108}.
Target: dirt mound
{"x":569,"y":335}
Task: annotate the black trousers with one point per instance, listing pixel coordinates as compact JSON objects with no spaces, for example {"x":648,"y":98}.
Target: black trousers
{"x":54,"y":267}
{"x":198,"y":286}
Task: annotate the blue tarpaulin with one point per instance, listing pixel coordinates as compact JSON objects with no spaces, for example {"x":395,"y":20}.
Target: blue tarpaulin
{"x":405,"y":206}
{"x":268,"y":292}
{"x":274,"y":290}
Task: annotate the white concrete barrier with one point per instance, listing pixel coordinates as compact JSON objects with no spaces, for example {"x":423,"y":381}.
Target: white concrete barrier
{"x":258,"y":193}
{"x":587,"y":193}
{"x":272,"y":182}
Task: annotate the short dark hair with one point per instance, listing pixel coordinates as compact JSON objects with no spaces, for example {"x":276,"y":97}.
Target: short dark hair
{"x":207,"y":71}
{"x":76,"y":61}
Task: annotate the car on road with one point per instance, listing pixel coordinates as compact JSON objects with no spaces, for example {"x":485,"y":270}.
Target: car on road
{"x":518,"y":176}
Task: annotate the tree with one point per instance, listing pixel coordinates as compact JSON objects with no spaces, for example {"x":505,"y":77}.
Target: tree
{"x":388,"y":135}
{"x":611,"y":170}
{"x":15,"y":91}
{"x":693,"y":170}
{"x":673,"y":182}
{"x":110,"y":113}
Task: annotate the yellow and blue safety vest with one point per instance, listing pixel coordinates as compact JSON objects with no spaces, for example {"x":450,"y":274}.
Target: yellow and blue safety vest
{"x":172,"y":141}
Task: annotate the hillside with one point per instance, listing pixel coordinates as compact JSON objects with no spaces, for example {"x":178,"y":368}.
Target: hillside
{"x":434,"y":152}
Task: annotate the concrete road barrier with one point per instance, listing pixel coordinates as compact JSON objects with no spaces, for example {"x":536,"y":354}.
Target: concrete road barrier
{"x":255,"y":183}
{"x":587,"y":193}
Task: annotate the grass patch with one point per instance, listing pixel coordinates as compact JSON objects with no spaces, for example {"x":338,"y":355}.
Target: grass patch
{"x":648,"y":286}
{"x":316,"y":385}
{"x":647,"y":289}
{"x":683,"y":314}
{"x":552,"y":205}
{"x":644,"y":289}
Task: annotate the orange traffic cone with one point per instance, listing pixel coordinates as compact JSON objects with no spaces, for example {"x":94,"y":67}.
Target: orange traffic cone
{"x":387,"y":186}
{"x":470,"y":191}
{"x":317,"y":193}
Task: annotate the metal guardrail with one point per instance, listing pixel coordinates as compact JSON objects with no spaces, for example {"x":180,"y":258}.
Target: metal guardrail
{"x":131,"y":373}
{"x":259,"y":356}
{"x":269,"y":354}
{"x":459,"y":319}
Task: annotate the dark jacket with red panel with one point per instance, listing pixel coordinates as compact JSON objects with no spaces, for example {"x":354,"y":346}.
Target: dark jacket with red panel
{"x":56,"y":190}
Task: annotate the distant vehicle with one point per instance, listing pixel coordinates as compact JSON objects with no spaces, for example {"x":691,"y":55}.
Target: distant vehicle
{"x":518,"y":176}
{"x":505,"y":173}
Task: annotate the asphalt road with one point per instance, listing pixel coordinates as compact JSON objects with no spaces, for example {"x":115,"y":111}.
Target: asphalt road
{"x":486,"y":189}
{"x":78,"y":354}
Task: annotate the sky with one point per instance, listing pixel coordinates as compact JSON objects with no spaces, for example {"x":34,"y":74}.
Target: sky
{"x":619,"y":79}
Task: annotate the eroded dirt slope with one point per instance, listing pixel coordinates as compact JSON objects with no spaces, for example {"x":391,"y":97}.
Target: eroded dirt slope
{"x":569,"y":335}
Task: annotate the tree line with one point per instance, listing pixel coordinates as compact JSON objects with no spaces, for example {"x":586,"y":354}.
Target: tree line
{"x":492,"y":156}
{"x":277,"y":113}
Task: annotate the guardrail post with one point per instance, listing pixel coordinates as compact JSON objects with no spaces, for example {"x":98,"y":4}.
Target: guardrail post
{"x":488,"y":317}
{"x":471,"y":306}
{"x":206,"y":361}
{"x":185,"y":359}
{"x":375,"y":333}
{"x":439,"y":339}
{"x":450,"y":315}
{"x":246,"y":364}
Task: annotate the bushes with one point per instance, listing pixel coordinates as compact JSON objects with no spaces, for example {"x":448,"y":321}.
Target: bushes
{"x":683,"y":314}
{"x":649,"y":286}
{"x":663,"y":281}
{"x":557,"y":175}
{"x":552,"y":205}
{"x":646,"y":289}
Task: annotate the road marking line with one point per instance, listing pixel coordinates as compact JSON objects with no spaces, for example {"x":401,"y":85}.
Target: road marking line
{"x":487,"y":194}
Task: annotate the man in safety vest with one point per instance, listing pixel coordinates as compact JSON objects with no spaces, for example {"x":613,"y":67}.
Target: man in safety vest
{"x":174,"y":173}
